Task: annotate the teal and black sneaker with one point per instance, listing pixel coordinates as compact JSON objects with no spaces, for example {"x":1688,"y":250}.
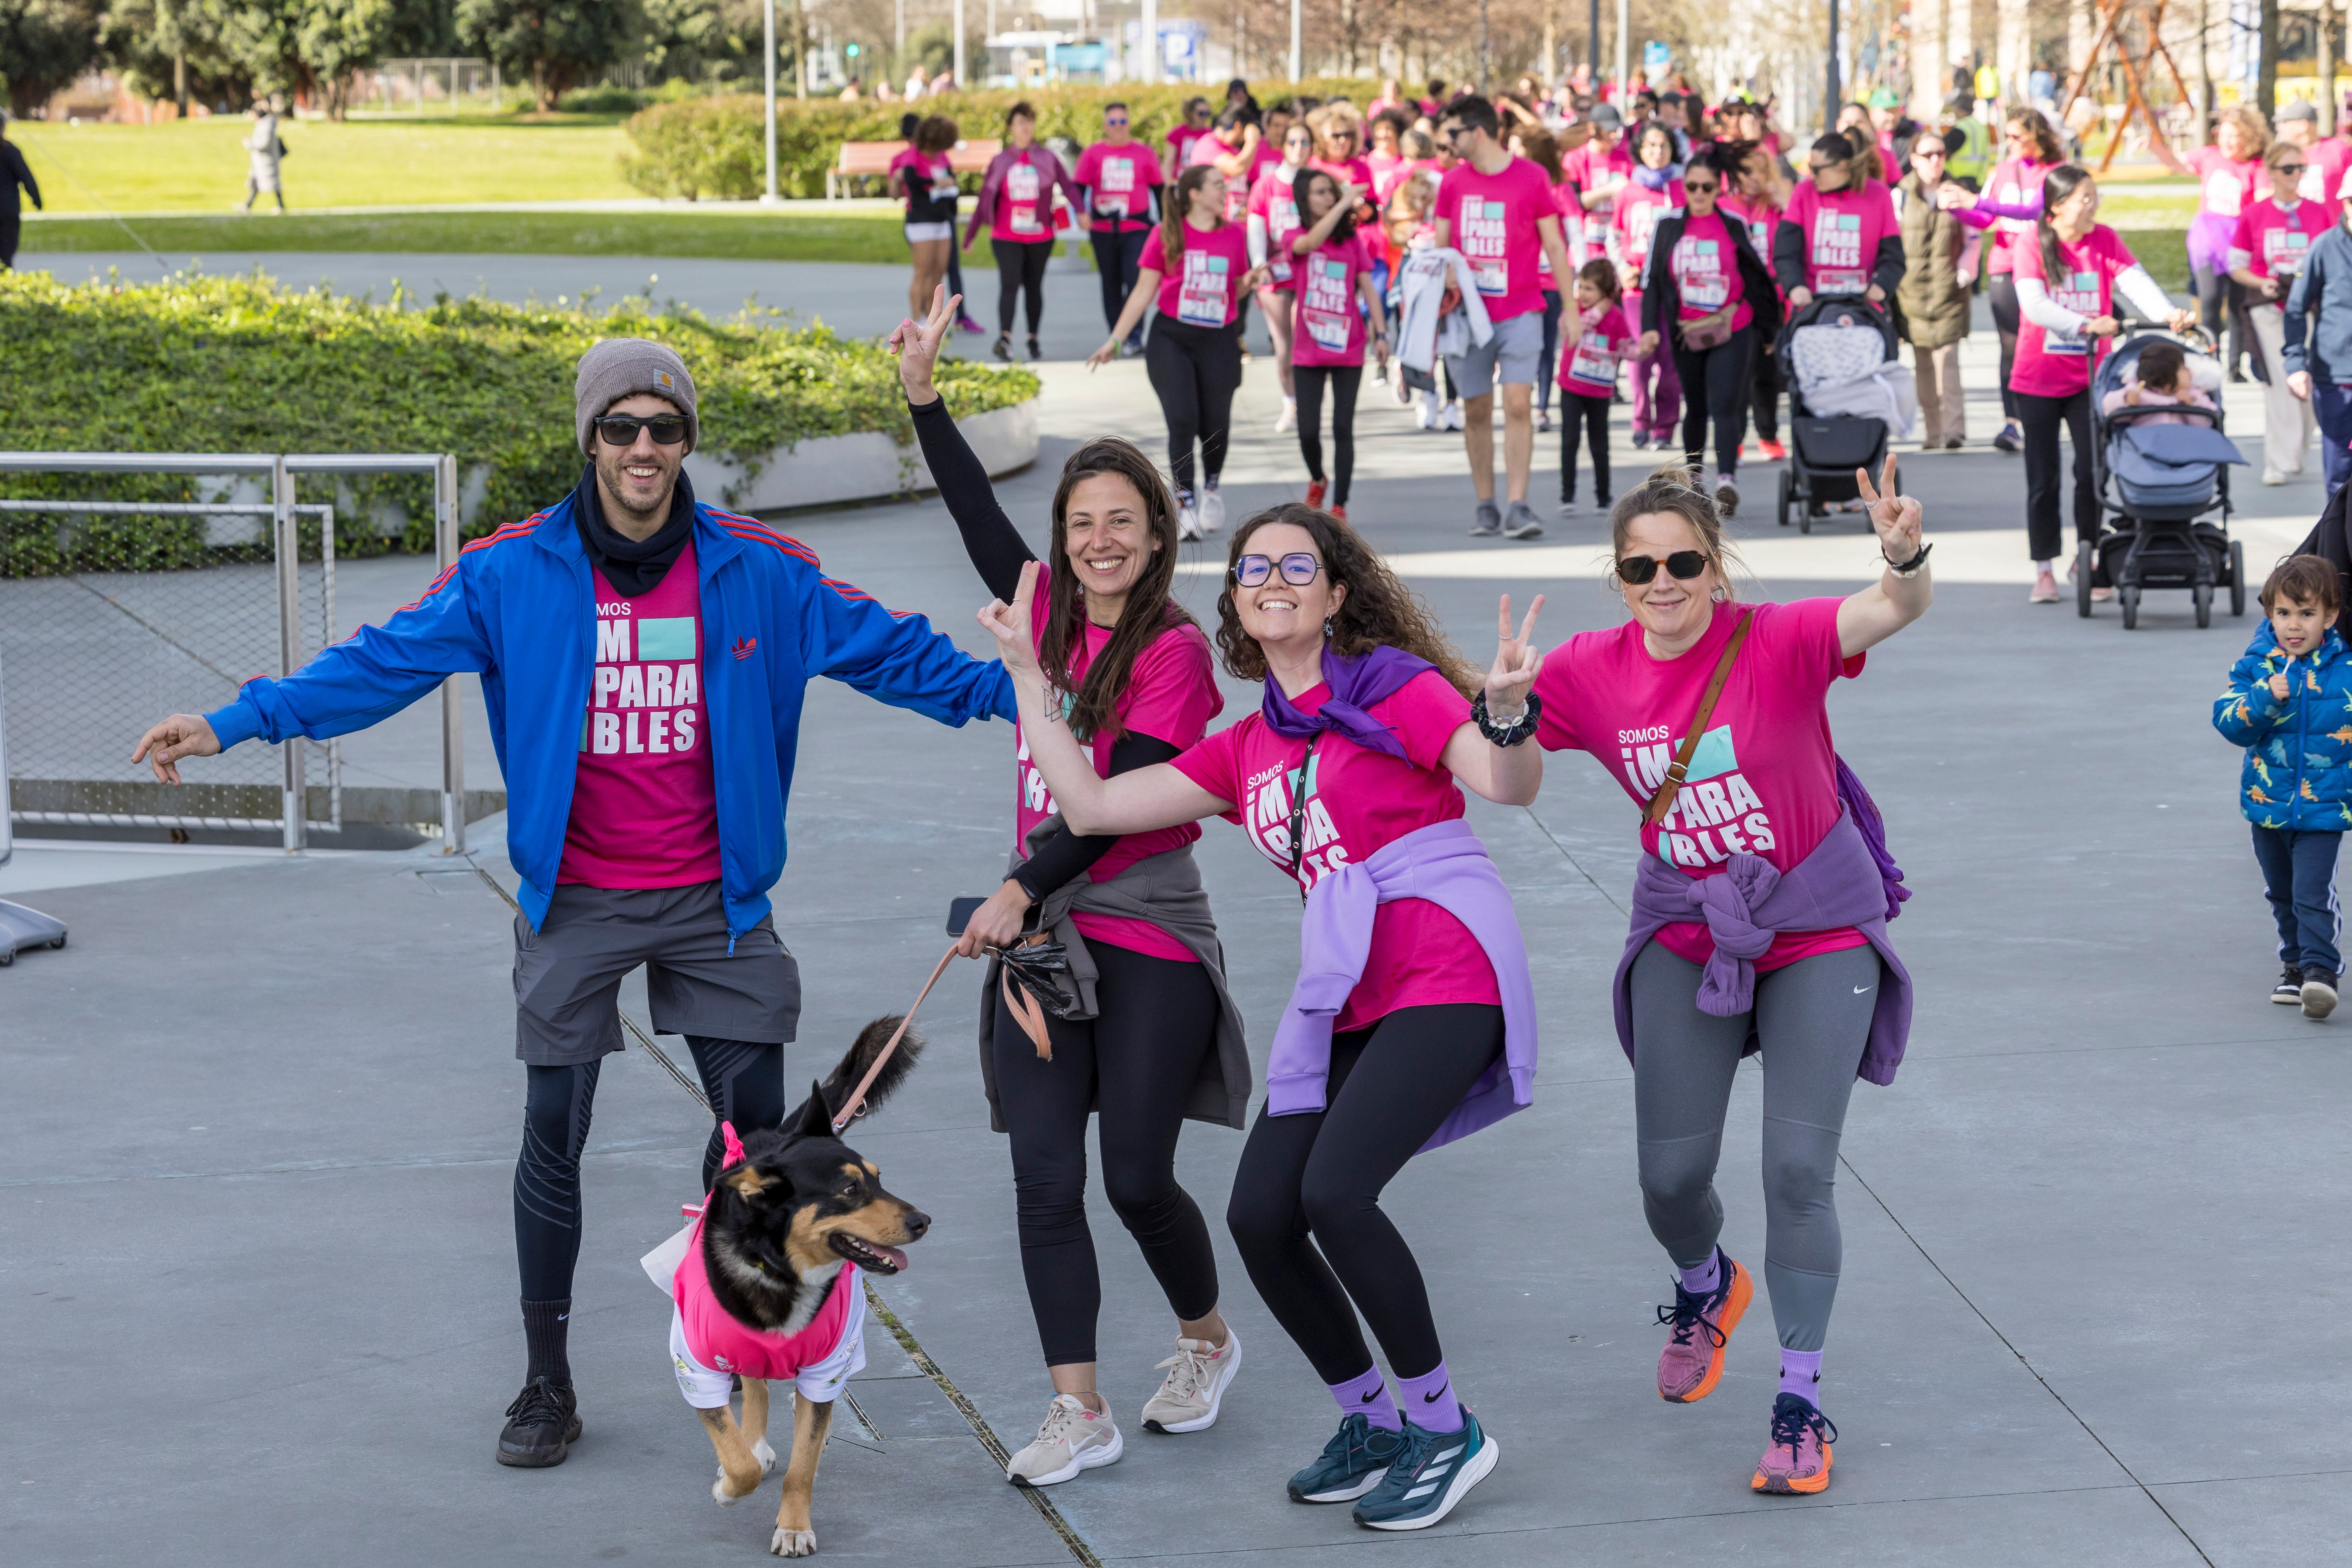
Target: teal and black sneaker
{"x":1353,"y":1462}
{"x":1434,"y":1471}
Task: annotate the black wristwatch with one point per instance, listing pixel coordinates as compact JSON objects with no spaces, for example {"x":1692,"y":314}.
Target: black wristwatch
{"x":1511,"y":734}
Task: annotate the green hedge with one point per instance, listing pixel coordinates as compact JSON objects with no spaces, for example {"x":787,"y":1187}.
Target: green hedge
{"x":717,"y":147}
{"x":237,"y":364}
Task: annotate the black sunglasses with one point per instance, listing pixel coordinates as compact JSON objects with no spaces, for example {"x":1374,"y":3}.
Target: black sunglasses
{"x":1702,"y":186}
{"x":1681,"y":566}
{"x":1299,"y":569}
{"x":621,"y":429}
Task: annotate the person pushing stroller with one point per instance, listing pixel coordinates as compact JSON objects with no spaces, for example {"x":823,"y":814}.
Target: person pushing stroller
{"x":2285,"y":704}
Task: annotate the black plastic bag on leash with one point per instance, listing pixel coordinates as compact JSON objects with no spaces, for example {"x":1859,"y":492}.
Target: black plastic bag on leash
{"x":1038,"y":969}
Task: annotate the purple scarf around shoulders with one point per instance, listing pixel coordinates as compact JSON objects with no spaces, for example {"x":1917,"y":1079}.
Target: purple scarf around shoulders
{"x":1356,"y":684}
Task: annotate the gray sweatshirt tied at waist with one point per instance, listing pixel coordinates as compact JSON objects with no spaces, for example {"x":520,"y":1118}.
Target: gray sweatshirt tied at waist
{"x":1165,"y":889}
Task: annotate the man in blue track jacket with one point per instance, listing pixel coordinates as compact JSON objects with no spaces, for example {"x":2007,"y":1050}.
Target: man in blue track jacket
{"x":643,"y":659}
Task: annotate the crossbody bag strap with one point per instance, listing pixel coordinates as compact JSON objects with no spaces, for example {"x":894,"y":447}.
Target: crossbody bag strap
{"x":1298,"y":809}
{"x":1664,"y":801}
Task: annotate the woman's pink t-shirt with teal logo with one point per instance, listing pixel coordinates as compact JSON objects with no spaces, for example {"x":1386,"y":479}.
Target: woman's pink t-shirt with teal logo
{"x":1199,"y":291}
{"x":1328,"y":328}
{"x":2058,"y":365}
{"x":645,"y":811}
{"x":1763,"y":780}
{"x":1118,"y":180}
{"x":1842,"y":230}
{"x":1273,"y":199}
{"x":1024,"y":202}
{"x":1707,"y":272}
{"x":2276,"y":242}
{"x":1171,"y":695}
{"x":1357,"y":802}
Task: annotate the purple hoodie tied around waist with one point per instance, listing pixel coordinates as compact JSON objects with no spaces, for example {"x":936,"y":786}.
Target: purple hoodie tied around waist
{"x":1445,"y":863}
{"x":1842,"y":882}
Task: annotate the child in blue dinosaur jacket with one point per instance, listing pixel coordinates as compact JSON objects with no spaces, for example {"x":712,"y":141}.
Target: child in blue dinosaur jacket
{"x":2289,"y":703}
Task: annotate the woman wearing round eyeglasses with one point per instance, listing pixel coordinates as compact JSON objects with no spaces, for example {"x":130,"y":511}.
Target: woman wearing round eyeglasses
{"x":1759,"y":913}
{"x":1412,"y":1022}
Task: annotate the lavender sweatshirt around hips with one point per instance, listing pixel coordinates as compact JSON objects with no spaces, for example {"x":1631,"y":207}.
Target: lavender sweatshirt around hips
{"x":1446,"y":864}
{"x":1838,"y":884}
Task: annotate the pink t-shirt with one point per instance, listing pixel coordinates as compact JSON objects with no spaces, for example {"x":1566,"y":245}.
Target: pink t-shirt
{"x":2014,"y":181}
{"x":1024,"y":202}
{"x":1357,"y":172}
{"x":1171,"y":695}
{"x":1636,"y":216}
{"x":1761,"y":217}
{"x":2325,"y":163}
{"x":1707,"y":272}
{"x":1208,"y":150}
{"x":930,"y":180}
{"x":1330,"y":329}
{"x":1357,"y":802}
{"x":1590,"y":168}
{"x":1382,"y":165}
{"x":714,"y":1338}
{"x":2058,"y":365}
{"x":1200,"y":290}
{"x":1118,"y":180}
{"x":2225,"y":189}
{"x":1589,"y":352}
{"x":645,"y":810}
{"x":1273,"y":198}
{"x":1842,"y":230}
{"x":1763,"y":779}
{"x":1180,"y":144}
{"x":2275,"y":243}
{"x":1492,"y":219}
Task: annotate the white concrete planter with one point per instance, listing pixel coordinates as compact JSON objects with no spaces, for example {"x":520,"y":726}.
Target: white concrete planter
{"x":828,"y":471}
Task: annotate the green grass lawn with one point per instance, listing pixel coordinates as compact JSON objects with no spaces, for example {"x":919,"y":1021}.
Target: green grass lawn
{"x":196,"y":165}
{"x":794,"y":235}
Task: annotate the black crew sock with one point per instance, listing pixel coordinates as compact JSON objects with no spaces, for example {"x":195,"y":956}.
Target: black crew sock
{"x":545,"y":1326}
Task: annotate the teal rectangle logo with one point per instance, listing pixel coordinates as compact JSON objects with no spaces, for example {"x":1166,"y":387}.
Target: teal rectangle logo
{"x":1713,"y":756}
{"x":1849,"y":220}
{"x":669,"y":638}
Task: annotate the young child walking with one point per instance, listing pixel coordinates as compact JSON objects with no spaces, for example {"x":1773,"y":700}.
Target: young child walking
{"x":1594,"y":342}
{"x":2285,"y":704}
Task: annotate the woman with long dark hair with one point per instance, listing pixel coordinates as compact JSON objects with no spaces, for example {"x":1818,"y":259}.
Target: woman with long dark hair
{"x":1710,"y":291}
{"x":1412,"y":1022}
{"x":1196,"y":271}
{"x":1331,"y":271}
{"x":1154,"y":1037}
{"x":2068,"y":279}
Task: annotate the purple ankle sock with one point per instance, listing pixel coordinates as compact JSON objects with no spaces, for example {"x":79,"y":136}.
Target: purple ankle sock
{"x":1368,"y":1396}
{"x":1429,"y":1400}
{"x":1703,"y":1279}
{"x":1801,"y":1374}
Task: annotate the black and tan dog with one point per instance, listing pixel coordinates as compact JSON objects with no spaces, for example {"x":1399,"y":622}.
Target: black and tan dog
{"x":763,"y":1286}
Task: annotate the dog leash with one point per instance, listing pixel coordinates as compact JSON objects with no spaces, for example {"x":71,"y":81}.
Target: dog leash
{"x":856,"y":1106}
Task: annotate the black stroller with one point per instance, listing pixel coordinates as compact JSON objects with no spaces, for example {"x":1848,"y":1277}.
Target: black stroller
{"x":1827,"y":350}
{"x":2163,"y":487}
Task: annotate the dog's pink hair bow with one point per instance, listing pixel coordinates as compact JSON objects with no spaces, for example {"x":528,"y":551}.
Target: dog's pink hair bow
{"x":734,"y":1151}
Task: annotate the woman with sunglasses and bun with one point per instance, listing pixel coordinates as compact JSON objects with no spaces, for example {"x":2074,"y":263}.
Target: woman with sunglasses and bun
{"x":1412,"y":1022}
{"x":1759,"y":913}
{"x":1155,"y":1038}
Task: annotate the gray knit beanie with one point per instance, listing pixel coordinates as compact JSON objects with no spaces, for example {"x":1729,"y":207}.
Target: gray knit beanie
{"x":624,"y":367}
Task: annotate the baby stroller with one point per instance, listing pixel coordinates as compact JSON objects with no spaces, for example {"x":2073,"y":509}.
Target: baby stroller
{"x":2164,"y":492}
{"x":1847,"y":393}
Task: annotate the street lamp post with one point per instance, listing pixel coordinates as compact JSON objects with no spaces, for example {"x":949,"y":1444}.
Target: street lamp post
{"x":770,"y":10}
{"x":1829,"y":105}
{"x":1294,"y":40}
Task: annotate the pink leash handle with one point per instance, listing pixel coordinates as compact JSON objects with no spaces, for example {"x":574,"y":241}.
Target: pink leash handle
{"x":856,"y":1105}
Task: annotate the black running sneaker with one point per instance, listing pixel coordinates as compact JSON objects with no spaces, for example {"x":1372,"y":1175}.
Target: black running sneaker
{"x":541,"y":1425}
{"x":2318,"y":996}
{"x":2288,"y":992}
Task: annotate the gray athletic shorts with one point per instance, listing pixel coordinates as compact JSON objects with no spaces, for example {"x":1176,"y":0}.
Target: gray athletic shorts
{"x":1508,"y":357}
{"x":567,"y":975}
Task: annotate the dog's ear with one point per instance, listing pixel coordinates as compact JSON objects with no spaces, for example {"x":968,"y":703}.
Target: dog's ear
{"x":813,"y":1120}
{"x":746,"y":1179}
{"x":860,"y":1060}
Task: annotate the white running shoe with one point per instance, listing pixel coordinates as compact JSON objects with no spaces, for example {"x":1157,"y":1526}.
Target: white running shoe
{"x":1287,"y":420}
{"x":1425,"y":412}
{"x":1197,"y":1375}
{"x":1073,"y":1439}
{"x":1726,"y":494}
{"x":1187,"y":525}
{"x":1212,"y":510}
{"x":1453,"y":416}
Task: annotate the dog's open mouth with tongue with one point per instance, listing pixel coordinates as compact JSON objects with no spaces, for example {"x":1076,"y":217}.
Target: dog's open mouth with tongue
{"x":867,"y":1255}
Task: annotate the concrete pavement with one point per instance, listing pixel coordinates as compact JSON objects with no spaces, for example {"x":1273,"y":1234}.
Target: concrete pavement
{"x":261,"y":1124}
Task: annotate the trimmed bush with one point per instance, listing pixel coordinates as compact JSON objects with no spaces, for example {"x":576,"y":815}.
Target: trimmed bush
{"x":237,"y":364}
{"x":717,"y":147}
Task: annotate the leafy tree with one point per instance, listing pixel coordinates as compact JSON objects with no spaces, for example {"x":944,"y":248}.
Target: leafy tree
{"x":702,"y":40}
{"x":154,"y":42}
{"x":557,"y":43}
{"x":43,"y":45}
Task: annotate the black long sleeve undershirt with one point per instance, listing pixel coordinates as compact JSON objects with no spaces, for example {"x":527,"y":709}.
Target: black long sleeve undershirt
{"x":998,"y":553}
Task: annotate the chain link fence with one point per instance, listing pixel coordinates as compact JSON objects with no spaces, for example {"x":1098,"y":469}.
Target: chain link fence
{"x":115,"y":611}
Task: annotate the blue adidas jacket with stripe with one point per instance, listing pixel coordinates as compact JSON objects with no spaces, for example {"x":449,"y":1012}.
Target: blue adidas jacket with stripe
{"x":518,"y":609}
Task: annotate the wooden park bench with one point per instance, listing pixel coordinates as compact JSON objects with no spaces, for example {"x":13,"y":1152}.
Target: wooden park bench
{"x":861,"y":161}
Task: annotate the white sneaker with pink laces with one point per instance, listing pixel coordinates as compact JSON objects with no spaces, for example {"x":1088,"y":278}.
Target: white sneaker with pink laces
{"x":1195,"y":1385}
{"x":1073,"y":1439}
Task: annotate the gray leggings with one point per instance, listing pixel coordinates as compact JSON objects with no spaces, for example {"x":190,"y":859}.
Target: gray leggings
{"x":1812,"y":1020}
